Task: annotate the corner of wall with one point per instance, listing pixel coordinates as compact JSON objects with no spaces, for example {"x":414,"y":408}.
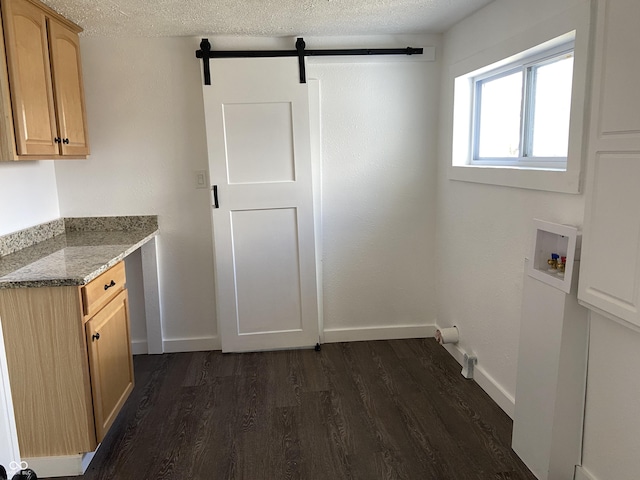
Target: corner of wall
{"x":497,"y":392}
{"x":583,"y":474}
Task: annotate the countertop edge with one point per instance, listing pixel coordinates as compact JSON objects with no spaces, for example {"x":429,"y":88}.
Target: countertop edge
{"x":120,"y":257}
{"x":80,"y":281}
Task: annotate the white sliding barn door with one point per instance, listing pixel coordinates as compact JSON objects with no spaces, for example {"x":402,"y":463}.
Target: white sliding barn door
{"x":257,"y":120}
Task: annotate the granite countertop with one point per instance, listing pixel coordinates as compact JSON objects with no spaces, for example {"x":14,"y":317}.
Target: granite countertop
{"x":73,"y":254}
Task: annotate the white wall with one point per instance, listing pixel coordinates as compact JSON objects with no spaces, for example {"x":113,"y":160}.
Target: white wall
{"x":379,"y":136}
{"x":379,"y":119}
{"x":137,"y":312}
{"x":484,"y":231}
{"x":28,"y":195}
{"x":146,"y":127}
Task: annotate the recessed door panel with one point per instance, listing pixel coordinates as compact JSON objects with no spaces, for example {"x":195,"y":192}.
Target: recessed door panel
{"x":620,"y":92}
{"x":616,"y":196}
{"x":267,"y":270}
{"x":250,"y":146}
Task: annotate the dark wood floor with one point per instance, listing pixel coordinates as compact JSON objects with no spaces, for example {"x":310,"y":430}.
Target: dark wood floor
{"x":366,"y":410}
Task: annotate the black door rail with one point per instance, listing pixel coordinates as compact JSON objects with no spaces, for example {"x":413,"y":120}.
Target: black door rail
{"x":205,"y":53}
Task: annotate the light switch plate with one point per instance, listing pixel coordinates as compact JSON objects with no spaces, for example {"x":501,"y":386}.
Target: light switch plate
{"x":201,"y":179}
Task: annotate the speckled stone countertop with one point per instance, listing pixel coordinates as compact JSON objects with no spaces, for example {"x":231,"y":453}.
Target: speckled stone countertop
{"x":49,"y":255}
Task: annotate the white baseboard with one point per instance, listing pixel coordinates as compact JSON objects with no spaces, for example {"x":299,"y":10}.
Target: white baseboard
{"x":583,"y":474}
{"x":504,"y":399}
{"x":197,"y":344}
{"x":395,"y":332}
{"x":61,"y":466}
{"x":139,"y":347}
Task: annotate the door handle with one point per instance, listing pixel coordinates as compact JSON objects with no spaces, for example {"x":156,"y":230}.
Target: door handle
{"x":215,"y":197}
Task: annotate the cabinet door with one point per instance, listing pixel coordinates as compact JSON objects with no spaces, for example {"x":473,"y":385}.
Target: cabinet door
{"x":30,"y":78}
{"x":610,"y":270}
{"x":110,"y":361}
{"x":68,"y":89}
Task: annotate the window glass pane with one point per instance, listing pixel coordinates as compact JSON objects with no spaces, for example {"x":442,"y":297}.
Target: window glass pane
{"x":499,"y":119}
{"x":552,"y":109}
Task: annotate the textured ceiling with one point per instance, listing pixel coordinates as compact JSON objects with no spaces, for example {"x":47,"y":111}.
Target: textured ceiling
{"x":153,"y":18}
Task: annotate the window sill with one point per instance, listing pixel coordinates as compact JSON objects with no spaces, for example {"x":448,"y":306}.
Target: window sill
{"x":548,"y":180}
{"x":558,"y":164}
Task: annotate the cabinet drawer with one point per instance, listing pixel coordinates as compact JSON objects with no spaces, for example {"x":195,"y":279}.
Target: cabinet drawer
{"x":97,"y":293}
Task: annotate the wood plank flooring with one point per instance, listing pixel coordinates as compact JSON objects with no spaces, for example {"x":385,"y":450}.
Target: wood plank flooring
{"x":365,"y":410}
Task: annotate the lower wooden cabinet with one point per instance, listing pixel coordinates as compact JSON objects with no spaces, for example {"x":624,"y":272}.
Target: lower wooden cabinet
{"x":110,"y":362}
{"x":70,"y":371}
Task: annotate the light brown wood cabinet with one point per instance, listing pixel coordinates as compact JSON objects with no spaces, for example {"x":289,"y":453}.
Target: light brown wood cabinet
{"x":42,"y":90}
{"x":69,"y":360}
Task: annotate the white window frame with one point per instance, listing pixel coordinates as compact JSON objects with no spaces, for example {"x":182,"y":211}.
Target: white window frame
{"x":525,"y":159}
{"x":572,"y":25}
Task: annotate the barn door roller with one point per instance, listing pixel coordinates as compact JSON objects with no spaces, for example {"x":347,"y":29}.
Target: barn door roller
{"x":205,"y":53}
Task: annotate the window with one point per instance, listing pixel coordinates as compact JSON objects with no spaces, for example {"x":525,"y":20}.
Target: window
{"x":531,"y":108}
{"x":521,"y":112}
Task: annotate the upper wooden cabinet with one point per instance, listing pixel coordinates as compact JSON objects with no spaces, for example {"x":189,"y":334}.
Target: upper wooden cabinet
{"x":610,"y":265}
{"x":68,"y":89}
{"x":43,"y":96}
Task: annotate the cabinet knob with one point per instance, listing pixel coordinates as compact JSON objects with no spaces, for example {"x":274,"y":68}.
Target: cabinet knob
{"x":57,"y":139}
{"x":65,"y":141}
{"x":95,"y":336}
{"x":109,"y":285}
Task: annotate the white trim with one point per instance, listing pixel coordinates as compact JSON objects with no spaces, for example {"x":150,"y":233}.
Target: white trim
{"x":391,"y":332}
{"x":139,"y":347}
{"x":152,"y":301}
{"x":631,"y":326}
{"x":518,"y":177}
{"x":498,"y":394}
{"x":61,"y":466}
{"x":583,"y":474}
{"x":87,"y":457}
{"x":195,"y":344}
{"x":315,"y":129}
